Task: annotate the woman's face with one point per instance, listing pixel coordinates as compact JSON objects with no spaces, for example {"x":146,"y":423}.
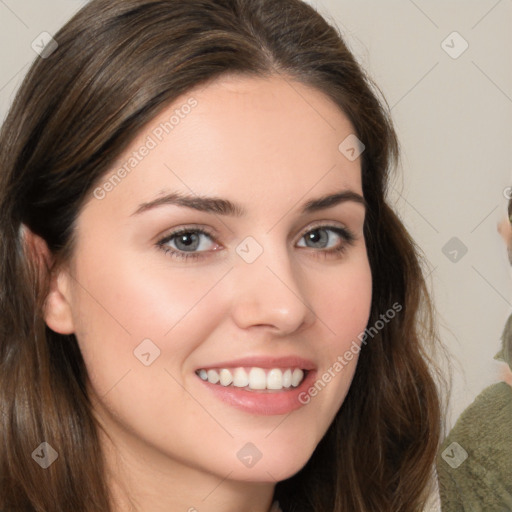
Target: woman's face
{"x":267,"y":279}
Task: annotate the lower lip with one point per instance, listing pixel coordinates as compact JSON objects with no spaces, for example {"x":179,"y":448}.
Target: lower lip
{"x":264,"y":402}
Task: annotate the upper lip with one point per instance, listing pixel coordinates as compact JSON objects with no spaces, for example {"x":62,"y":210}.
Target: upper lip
{"x":264,"y":362}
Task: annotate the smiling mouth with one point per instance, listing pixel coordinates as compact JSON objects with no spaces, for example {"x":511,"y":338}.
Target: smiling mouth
{"x":254,"y":378}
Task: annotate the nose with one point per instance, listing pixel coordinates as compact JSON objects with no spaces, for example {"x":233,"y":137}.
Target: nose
{"x":270,"y":293}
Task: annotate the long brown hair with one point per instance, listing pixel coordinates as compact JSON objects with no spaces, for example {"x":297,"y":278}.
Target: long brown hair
{"x":118,"y":64}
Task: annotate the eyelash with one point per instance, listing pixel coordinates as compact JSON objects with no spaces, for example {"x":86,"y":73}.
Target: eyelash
{"x":347,"y":236}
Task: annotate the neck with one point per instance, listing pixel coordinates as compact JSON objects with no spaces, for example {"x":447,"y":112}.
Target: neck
{"x":141,"y":480}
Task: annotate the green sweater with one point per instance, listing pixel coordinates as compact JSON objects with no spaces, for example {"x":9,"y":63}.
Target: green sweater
{"x":474,"y":464}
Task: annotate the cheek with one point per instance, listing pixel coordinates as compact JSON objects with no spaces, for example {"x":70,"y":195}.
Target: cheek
{"x":342,"y":302}
{"x":348,"y":304}
{"x":136,"y":331}
{"x":121,"y":304}
{"x":140,"y":300}
{"x":343,"y":306}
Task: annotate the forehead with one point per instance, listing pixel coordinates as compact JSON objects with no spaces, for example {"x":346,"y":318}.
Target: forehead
{"x":239,"y":136}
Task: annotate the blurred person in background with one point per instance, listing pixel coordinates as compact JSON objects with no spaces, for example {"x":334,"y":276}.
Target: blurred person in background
{"x":475,"y":461}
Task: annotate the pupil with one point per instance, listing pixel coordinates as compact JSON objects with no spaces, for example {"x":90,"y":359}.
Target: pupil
{"x":318,"y":236}
{"x":187,"y":240}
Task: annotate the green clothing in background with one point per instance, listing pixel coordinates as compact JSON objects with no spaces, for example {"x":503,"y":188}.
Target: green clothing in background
{"x":474,"y":465}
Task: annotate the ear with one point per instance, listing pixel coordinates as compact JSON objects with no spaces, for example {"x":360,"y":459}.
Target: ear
{"x":57,"y":307}
{"x":57,"y":311}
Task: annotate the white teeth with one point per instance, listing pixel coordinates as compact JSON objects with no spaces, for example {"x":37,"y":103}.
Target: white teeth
{"x":254,"y":378}
{"x":275,"y":379}
{"x":213,"y":376}
{"x":240,"y":378}
{"x":257,"y":378}
{"x":225,"y":377}
{"x":297,"y":377}
{"x":287,"y":378}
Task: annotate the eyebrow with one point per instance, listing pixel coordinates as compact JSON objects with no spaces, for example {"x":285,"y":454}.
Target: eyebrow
{"x":218,"y":206}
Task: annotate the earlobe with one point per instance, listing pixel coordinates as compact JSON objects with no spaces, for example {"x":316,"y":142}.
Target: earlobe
{"x":57,"y":307}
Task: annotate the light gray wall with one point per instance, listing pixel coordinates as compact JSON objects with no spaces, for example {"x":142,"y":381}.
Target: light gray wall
{"x":453,"y":117}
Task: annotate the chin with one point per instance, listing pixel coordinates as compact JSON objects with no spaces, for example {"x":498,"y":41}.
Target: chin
{"x":274,"y":469}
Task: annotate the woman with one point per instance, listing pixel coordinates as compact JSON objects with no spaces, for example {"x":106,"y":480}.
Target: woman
{"x":207,"y":303}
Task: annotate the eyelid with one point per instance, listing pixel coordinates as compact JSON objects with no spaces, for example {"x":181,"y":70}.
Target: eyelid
{"x":187,"y":229}
{"x":327,"y":224}
{"x":168,"y":233}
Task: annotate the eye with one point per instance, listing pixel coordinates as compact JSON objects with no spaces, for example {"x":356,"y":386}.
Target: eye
{"x":188,"y":243}
{"x":330,"y":240}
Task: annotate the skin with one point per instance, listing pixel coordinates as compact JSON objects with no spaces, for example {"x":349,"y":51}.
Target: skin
{"x":270,"y":147}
